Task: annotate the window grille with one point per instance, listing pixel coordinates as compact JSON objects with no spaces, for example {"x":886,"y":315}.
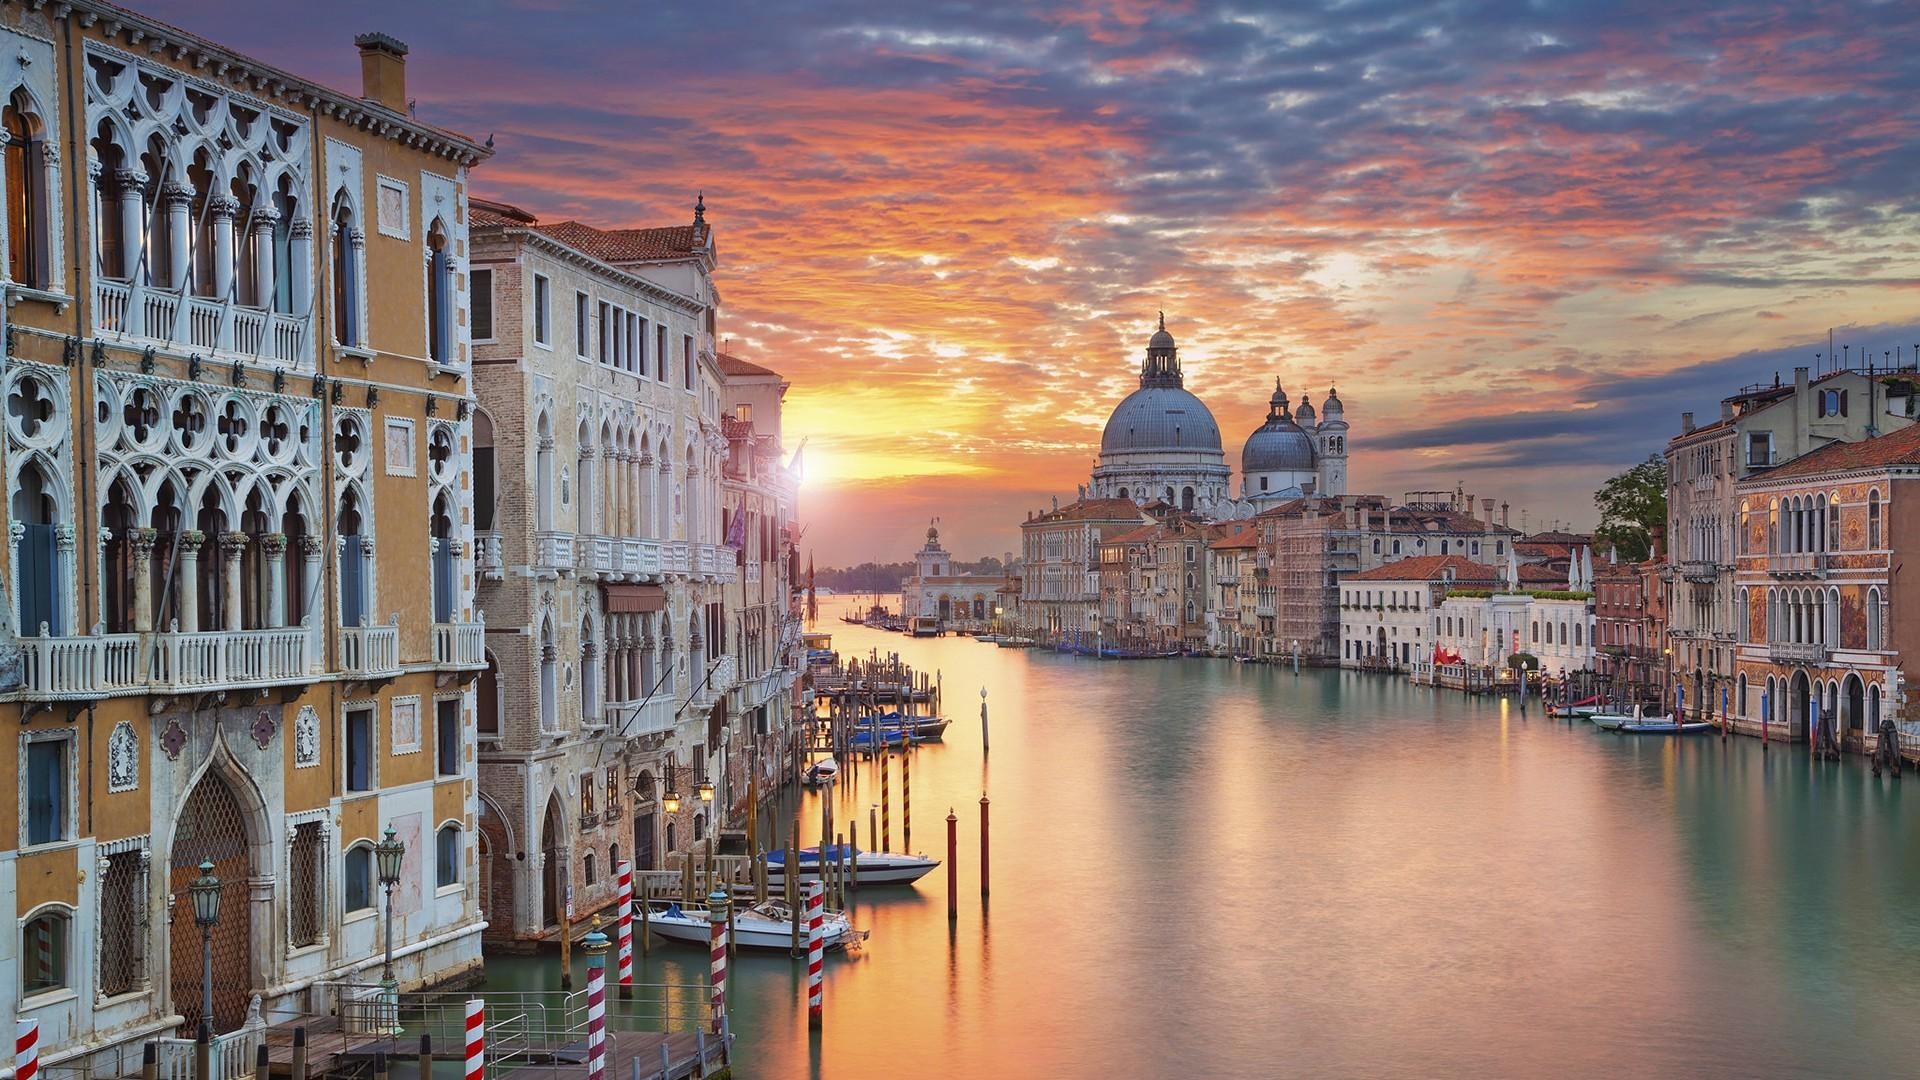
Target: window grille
{"x":306,"y":885}
{"x":123,"y":923}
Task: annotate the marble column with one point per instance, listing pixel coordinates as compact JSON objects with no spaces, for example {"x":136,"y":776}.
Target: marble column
{"x":263,"y":222}
{"x":220,"y":211}
{"x":177,"y":200}
{"x":274,"y":546}
{"x":132,"y":230}
{"x":300,"y":252}
{"x":232,"y":546}
{"x":187,"y":581}
{"x":143,"y":540}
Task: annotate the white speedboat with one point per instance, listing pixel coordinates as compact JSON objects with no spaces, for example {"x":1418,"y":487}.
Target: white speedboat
{"x":820,"y":773}
{"x":875,"y":867}
{"x":762,"y":926}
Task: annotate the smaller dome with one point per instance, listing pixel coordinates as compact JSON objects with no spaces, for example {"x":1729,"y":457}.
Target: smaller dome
{"x":1332,"y":408}
{"x":1304,"y":414}
{"x":1278,"y":446}
{"x":933,"y":536}
{"x":1160,"y":339}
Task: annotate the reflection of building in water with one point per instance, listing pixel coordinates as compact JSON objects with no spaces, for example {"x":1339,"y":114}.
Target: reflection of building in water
{"x":937,"y":590}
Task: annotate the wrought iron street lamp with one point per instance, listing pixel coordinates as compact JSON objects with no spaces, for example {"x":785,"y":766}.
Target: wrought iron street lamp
{"x":389,"y":853}
{"x":205,"y":891}
{"x":706,"y":791}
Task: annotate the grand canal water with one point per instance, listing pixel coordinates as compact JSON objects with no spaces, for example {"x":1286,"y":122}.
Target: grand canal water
{"x":1203,"y":868}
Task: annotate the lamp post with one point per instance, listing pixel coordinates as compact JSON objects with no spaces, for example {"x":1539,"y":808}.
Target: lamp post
{"x":205,"y":891}
{"x":388,"y":853}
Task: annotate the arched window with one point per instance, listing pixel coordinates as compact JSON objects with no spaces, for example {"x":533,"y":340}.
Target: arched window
{"x":446,"y":856}
{"x":583,"y":481}
{"x":36,"y":562}
{"x":45,"y":951}
{"x":1740,"y":695}
{"x":350,"y":525}
{"x":1873,"y":518}
{"x":549,"y":679}
{"x":592,"y":872}
{"x":543,"y":474}
{"x":357,"y":878}
{"x":1833,"y":523}
{"x":1773,"y":526}
{"x":346,"y":273}
{"x":1873,"y":618}
{"x":483,"y":476}
{"x":439,"y":294}
{"x":26,"y":168}
{"x":1536,"y":631}
{"x":441,"y":538}
{"x":699,"y":827}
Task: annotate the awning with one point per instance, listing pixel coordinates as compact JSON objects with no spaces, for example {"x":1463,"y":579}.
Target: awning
{"x":634,"y":599}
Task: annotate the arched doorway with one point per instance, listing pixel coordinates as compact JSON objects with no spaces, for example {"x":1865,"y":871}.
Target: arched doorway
{"x":1854,"y":706}
{"x":1800,"y":694}
{"x":213,"y":825}
{"x":553,"y":858}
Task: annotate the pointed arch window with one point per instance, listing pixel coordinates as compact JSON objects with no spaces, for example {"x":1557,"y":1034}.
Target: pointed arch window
{"x":483,"y":474}
{"x":36,"y":558}
{"x":439,"y":294}
{"x":346,"y":273}
{"x":28,"y":241}
{"x":1873,"y":518}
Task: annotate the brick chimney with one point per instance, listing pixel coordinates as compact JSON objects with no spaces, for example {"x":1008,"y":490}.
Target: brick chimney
{"x":1686,"y":422}
{"x":383,"y":70}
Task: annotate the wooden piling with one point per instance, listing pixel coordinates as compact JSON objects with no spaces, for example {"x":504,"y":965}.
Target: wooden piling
{"x":150,"y":1055}
{"x":853,"y":841}
{"x":566,"y":940}
{"x":886,"y":804}
{"x":263,"y":1064}
{"x":298,"y":1068}
{"x":953,"y":864}
{"x":426,"y":1057}
{"x":906,"y":802}
{"x":379,"y":1065}
{"x":646,"y":925}
{"x":983,"y":844}
{"x":686,"y":879}
{"x":791,"y":880}
{"x":760,"y":876}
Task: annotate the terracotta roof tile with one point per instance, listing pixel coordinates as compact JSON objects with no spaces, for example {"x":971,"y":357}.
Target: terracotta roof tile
{"x":733,"y":365}
{"x":1090,"y":510}
{"x":1244,"y":538}
{"x":1428,"y":568}
{"x":1896,"y":448}
{"x":626,"y":245}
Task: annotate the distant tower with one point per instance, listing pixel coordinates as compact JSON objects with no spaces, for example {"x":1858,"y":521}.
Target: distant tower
{"x":1331,"y":435}
{"x":931,"y":561}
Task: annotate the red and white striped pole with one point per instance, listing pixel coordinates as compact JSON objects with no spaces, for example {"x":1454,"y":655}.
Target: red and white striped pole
{"x":26,"y":1050}
{"x":595,"y":944}
{"x":717,"y":945}
{"x":815,"y":967}
{"x":476,"y":1039}
{"x":624,"y":874}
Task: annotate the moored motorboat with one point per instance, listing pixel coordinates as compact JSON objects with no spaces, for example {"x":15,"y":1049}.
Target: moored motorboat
{"x":918,"y":728}
{"x":1579,"y":710}
{"x":767,"y":925}
{"x":1632,"y":724}
{"x":1015,"y":642}
{"x":875,"y":867}
{"x":820,"y":773}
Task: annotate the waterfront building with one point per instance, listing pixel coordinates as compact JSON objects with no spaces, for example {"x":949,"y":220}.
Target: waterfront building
{"x":1232,"y":623}
{"x":237,"y":421}
{"x":599,"y":478}
{"x":1485,"y":626}
{"x":1760,"y":428}
{"x":1820,"y":623}
{"x":759,"y":508}
{"x":1126,"y":610}
{"x":1385,"y":612}
{"x":957,"y":598}
{"x":1060,"y":563}
{"x":1626,"y":642}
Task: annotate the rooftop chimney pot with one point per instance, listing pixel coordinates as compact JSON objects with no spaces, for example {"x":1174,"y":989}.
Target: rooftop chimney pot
{"x":383,"y":70}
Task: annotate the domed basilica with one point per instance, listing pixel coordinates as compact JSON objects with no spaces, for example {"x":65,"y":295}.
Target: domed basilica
{"x":1162,"y":445}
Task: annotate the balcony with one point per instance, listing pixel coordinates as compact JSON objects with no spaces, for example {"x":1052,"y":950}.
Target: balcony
{"x":80,"y":668}
{"x":1798,"y":564}
{"x":1700,"y":570}
{"x":370,"y":652}
{"x":619,"y":558}
{"x":765,"y":687}
{"x":553,"y":553}
{"x":195,"y":323}
{"x":627,"y":719}
{"x":489,"y":556}
{"x":220,"y":659}
{"x":726,"y":675}
{"x":460,"y":645}
{"x":1790,"y":652}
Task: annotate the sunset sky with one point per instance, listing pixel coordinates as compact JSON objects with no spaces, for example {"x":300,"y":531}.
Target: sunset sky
{"x":1520,"y":237}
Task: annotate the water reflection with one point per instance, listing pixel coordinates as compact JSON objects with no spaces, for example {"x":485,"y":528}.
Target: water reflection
{"x":1213,"y":869}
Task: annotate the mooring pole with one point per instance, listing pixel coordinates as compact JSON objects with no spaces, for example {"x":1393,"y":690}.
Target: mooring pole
{"x":953,"y":864}
{"x":983,"y":844}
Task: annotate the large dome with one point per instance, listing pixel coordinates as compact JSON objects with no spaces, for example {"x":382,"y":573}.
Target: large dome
{"x":1279,"y":445}
{"x":1157,"y":418}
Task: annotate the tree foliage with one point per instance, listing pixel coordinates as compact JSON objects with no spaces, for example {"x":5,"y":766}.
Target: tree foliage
{"x":1631,"y":505}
